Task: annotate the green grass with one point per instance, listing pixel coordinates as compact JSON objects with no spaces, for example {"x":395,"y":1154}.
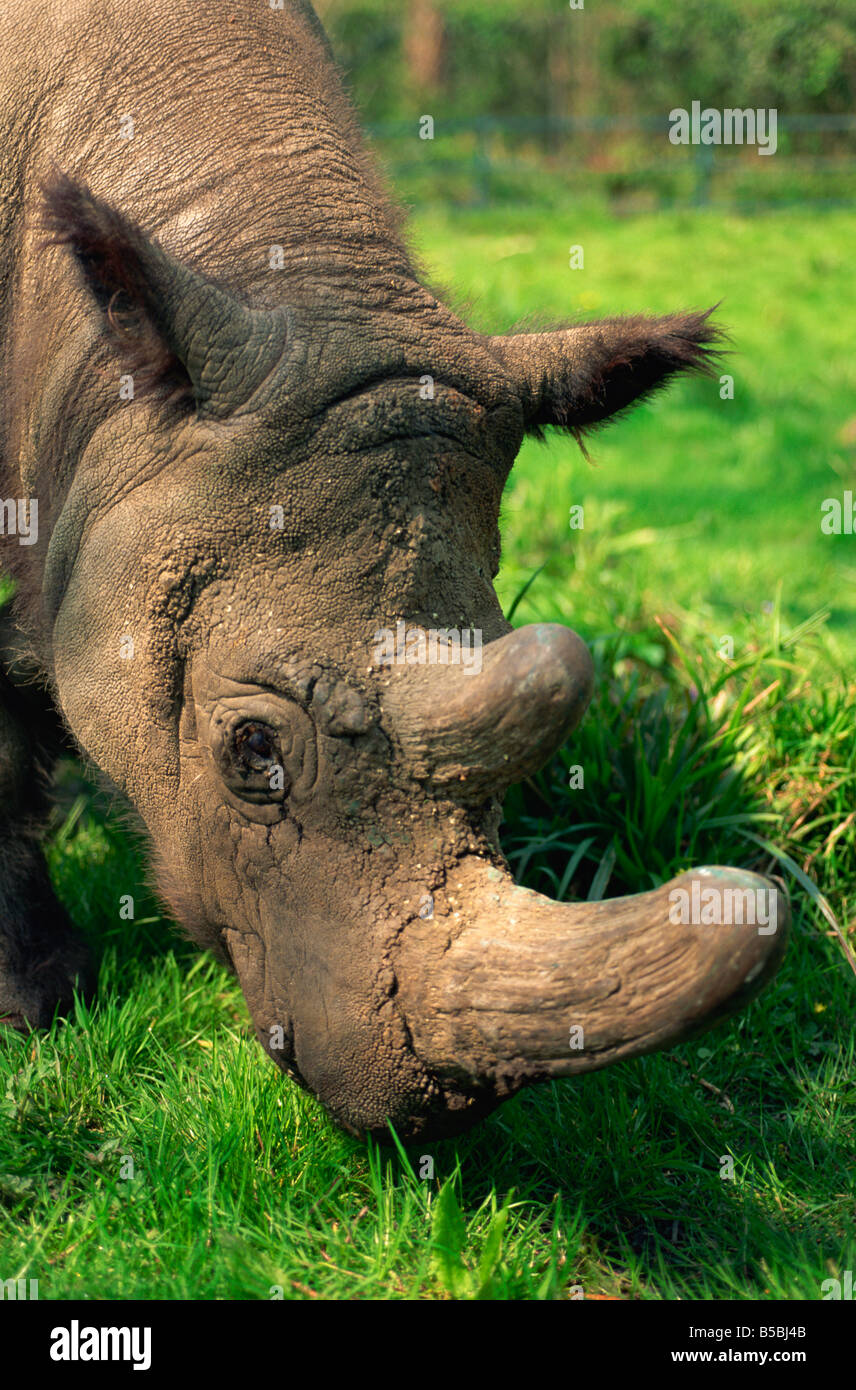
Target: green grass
{"x":700,"y":513}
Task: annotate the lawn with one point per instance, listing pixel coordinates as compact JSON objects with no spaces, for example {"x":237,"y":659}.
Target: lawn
{"x":149,"y":1150}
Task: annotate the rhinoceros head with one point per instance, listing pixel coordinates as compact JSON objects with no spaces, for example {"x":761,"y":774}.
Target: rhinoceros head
{"x":285,"y":647}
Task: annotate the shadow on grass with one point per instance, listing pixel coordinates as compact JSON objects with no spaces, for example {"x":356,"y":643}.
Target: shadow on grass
{"x":98,"y":864}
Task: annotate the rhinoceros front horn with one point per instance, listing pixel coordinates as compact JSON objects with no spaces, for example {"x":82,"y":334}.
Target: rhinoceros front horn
{"x":502,"y":986}
{"x":509,"y":988}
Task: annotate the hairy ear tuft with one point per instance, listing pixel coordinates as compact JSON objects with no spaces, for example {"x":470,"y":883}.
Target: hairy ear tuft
{"x":112,"y":253}
{"x":578,"y":378}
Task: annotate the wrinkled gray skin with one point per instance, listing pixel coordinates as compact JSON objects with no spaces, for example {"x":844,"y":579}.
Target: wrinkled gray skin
{"x":295,"y":386}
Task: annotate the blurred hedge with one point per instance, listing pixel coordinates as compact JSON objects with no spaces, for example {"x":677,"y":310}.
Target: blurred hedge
{"x":532,"y":58}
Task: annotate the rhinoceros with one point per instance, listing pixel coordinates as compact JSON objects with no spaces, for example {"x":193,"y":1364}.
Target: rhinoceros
{"x":243,"y":442}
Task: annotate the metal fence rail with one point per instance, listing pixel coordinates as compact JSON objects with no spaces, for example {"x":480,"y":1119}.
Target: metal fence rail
{"x":522,"y":145}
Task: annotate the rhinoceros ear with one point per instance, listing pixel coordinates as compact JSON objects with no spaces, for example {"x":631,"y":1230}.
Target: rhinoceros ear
{"x":173,"y":327}
{"x":580,"y":377}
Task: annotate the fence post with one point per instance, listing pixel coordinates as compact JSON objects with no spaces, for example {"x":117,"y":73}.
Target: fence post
{"x":703,"y":161}
{"x":482,"y":166}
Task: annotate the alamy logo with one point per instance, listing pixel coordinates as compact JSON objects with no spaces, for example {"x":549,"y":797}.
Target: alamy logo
{"x":714,"y":907}
{"x":417,"y":646}
{"x":16,"y":1289}
{"x":76,"y":1343}
{"x":839,"y":517}
{"x":831,"y":1288}
{"x":731,"y":126}
{"x":21,"y":519}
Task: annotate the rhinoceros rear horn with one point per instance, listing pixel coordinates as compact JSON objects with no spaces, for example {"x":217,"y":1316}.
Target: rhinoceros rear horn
{"x":474,"y":734}
{"x":171,"y":324}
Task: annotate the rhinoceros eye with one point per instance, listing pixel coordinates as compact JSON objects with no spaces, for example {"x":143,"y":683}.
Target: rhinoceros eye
{"x":256,"y":747}
{"x":264,"y":749}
